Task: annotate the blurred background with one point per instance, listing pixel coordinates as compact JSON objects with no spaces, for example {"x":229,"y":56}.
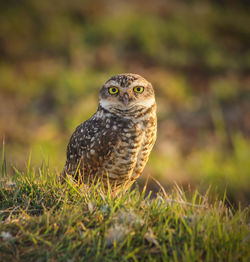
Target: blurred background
{"x":56,"y":54}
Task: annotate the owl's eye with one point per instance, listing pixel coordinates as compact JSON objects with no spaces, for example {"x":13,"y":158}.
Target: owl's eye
{"x":113,"y":90}
{"x":138,"y":89}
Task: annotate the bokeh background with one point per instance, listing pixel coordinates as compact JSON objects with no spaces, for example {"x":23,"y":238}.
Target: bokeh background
{"x":56,"y":54}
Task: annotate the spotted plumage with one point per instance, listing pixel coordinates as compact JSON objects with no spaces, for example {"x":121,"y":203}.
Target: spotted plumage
{"x":114,"y":144}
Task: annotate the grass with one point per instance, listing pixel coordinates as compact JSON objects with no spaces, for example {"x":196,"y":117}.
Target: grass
{"x":45,"y":220}
{"x":195,"y":53}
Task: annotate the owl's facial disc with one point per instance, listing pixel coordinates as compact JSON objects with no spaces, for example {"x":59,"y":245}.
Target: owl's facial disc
{"x":125,"y":91}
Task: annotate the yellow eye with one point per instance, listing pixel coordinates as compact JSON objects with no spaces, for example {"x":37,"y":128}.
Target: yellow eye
{"x":113,"y":90}
{"x":138,"y":89}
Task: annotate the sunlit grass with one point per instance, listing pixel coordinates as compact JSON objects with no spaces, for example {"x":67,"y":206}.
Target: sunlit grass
{"x":42,"y":218}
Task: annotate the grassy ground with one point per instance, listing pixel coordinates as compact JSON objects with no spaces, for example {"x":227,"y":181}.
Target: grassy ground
{"x":44,"y":220}
{"x":56,"y":54}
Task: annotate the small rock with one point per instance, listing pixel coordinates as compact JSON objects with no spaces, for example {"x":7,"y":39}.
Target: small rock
{"x":6,"y":236}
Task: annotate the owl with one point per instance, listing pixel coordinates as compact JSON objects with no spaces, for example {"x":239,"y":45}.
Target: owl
{"x":114,"y":144}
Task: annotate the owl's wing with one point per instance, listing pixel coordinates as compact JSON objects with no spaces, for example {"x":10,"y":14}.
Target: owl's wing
{"x":91,"y":146}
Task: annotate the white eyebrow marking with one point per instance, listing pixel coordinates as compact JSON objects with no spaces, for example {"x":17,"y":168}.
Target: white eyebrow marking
{"x":112,"y":83}
{"x":140,"y":82}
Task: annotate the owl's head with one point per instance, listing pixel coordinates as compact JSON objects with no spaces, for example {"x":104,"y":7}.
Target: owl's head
{"x":126,"y":91}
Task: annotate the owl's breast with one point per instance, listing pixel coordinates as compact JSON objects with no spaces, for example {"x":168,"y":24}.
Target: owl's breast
{"x":137,"y":139}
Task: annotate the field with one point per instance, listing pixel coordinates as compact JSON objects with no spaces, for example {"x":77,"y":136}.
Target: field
{"x":54,"y":57}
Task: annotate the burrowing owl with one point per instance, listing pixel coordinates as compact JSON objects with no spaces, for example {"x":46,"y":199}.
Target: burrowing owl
{"x":114,"y":144}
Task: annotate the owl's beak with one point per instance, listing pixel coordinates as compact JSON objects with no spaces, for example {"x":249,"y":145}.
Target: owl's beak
{"x":125,"y":99}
